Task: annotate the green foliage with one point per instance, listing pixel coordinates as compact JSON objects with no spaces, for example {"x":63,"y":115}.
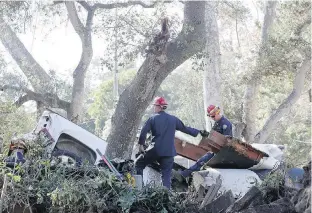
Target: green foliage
{"x":14,"y":121}
{"x":61,"y":87}
{"x":61,"y":189}
{"x":135,"y":28}
{"x":184,"y":89}
{"x":289,"y":40}
{"x":103,"y":101}
{"x":273,"y":180}
{"x":18,"y":13}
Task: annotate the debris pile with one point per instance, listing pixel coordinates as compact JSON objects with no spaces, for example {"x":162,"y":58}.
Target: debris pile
{"x":266,"y":199}
{"x":37,"y":184}
{"x":302,"y":200}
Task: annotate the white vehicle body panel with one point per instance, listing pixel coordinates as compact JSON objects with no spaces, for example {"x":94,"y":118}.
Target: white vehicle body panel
{"x":57,"y":125}
{"x":275,"y":156}
{"x":239,"y":181}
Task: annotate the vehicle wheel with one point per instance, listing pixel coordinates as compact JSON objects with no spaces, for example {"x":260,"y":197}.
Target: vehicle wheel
{"x":76,"y":148}
{"x":65,"y":158}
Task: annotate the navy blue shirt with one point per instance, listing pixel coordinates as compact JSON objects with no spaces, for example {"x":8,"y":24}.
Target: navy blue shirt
{"x":223,"y":126}
{"x":163,"y":127}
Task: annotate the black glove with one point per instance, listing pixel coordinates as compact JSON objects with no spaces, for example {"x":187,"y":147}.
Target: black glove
{"x":204,"y":133}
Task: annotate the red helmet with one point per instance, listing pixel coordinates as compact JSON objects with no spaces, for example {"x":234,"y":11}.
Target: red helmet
{"x":160,"y":101}
{"x":213,"y":110}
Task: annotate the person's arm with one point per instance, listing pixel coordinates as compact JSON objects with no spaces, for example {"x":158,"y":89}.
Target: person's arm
{"x":188,"y":130}
{"x":146,"y":128}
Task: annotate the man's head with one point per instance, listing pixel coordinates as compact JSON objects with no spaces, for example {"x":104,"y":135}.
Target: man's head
{"x":160,"y":104}
{"x":214,"y":112}
{"x":18,"y":144}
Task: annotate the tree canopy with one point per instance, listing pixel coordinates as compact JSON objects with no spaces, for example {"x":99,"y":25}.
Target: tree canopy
{"x":252,"y":59}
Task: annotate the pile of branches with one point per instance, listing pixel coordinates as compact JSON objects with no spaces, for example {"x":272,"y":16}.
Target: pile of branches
{"x":38,"y":186}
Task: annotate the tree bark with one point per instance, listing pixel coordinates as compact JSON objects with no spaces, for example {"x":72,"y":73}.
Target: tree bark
{"x":212,"y":80}
{"x":79,"y":74}
{"x":238,"y":128}
{"x":285,"y":107}
{"x":45,"y":99}
{"x":36,"y":75}
{"x":252,"y":89}
{"x":136,"y":97}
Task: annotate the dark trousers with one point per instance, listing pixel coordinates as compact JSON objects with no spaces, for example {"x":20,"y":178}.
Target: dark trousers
{"x":196,"y":167}
{"x":166,"y":164}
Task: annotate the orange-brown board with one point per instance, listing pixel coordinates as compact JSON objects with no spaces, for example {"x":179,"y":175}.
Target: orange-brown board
{"x":188,"y":150}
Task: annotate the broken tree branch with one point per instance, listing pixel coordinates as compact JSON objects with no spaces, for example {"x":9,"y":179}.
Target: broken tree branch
{"x":285,"y":107}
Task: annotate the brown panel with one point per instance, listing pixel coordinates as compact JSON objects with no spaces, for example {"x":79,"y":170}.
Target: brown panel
{"x":236,"y":154}
{"x":188,"y":150}
{"x":215,"y":141}
{"x":229,"y":158}
{"x":248,"y":151}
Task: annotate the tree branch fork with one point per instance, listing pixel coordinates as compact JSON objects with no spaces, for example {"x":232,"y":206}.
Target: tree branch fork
{"x":48,"y":99}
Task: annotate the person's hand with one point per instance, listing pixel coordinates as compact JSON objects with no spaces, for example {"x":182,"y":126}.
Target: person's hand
{"x":204,"y":133}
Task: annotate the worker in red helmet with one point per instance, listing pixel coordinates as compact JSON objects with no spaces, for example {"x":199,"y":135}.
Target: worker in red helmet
{"x":162,"y":126}
{"x":221,"y":125}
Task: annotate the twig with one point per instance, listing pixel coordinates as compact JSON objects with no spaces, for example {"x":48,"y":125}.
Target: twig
{"x":237,"y":32}
{"x":29,"y":206}
{"x":133,"y":27}
{"x":4,"y":187}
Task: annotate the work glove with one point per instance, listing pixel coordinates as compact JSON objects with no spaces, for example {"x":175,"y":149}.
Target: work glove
{"x":204,"y":133}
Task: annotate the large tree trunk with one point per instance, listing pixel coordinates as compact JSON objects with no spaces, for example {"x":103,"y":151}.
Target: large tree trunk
{"x":285,"y":107}
{"x":212,"y":80}
{"x":238,"y":128}
{"x":251,"y":93}
{"x":79,"y":74}
{"x":36,"y":75}
{"x":136,"y":97}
